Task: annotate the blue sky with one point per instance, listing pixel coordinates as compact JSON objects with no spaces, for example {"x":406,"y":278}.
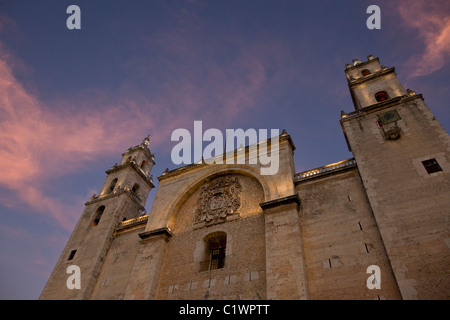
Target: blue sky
{"x":73,"y":100}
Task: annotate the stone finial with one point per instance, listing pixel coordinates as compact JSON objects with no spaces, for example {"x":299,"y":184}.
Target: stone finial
{"x":356,"y":61}
{"x":146,"y":141}
{"x":410,"y":92}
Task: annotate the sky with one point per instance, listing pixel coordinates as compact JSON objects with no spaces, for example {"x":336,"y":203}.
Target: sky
{"x":72,"y":101}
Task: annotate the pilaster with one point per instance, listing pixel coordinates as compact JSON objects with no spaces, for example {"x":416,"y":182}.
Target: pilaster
{"x":144,"y":277}
{"x":285,"y":267}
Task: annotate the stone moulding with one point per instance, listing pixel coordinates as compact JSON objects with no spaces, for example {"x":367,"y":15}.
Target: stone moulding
{"x":329,"y":168}
{"x":133,"y":222}
{"x":379,"y":106}
{"x":284,"y":136}
{"x":281,"y":201}
{"x":116,"y":193}
{"x":156,"y":232}
{"x":136,"y":168}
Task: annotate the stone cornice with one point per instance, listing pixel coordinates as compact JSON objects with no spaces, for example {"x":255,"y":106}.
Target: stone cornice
{"x":132,"y":223}
{"x":116,"y":193}
{"x":170,"y":173}
{"x":146,"y":151}
{"x":156,"y":232}
{"x":281,"y":201}
{"x":362,"y":64}
{"x":325,"y":170}
{"x":174,"y":172}
{"x":379,"y":106}
{"x":136,"y":168}
{"x":370,"y":77}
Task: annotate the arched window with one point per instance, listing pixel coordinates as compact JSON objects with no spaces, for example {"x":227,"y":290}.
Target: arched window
{"x":112,"y":185}
{"x":365,"y":72}
{"x":143,"y":164}
{"x":381,"y":96}
{"x":135,"y":188}
{"x":98,"y":215}
{"x":215,"y":249}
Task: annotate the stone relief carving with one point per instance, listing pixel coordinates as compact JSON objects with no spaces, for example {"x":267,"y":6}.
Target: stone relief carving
{"x":218,"y":199}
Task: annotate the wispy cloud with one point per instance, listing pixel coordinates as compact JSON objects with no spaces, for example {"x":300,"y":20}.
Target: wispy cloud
{"x":37,"y":143}
{"x":41,"y":140}
{"x":430,"y":19}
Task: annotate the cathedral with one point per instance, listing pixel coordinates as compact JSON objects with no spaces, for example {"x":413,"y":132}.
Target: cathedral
{"x":224,"y":231}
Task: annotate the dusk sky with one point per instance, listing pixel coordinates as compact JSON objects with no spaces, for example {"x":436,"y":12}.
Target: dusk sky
{"x":72,"y":101}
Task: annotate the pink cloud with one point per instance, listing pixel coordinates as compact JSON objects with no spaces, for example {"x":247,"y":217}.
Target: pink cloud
{"x":431,"y":21}
{"x":43,"y":140}
{"x":37,"y":142}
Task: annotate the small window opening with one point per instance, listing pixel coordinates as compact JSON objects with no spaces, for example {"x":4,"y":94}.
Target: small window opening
{"x":381,"y":96}
{"x":135,"y":188}
{"x":365,"y":72}
{"x":217,"y":258}
{"x":112,"y":185}
{"x":215,"y":251}
{"x":72,"y":255}
{"x":98,"y":215}
{"x":143,"y":164}
{"x":431,"y":166}
{"x":367,"y":249}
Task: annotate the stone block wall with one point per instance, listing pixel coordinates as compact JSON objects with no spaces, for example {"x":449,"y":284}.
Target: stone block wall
{"x":341,"y":239}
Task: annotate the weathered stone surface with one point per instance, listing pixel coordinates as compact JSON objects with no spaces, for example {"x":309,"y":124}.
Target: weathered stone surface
{"x":228,"y":232}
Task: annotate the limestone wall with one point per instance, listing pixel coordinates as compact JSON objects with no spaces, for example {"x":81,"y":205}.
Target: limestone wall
{"x":118,"y":264}
{"x":341,"y":239}
{"x":242,"y":277}
{"x":411,"y":207}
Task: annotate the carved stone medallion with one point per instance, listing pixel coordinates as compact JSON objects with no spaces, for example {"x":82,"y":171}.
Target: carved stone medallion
{"x":218,"y":199}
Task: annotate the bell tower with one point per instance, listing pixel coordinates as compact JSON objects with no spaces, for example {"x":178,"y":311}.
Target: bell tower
{"x":403,"y":157}
{"x":132,"y":173}
{"x":122,"y":197}
{"x":370,"y":82}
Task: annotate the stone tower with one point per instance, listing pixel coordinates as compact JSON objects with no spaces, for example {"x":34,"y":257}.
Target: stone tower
{"x":403,"y":156}
{"x":122,"y":197}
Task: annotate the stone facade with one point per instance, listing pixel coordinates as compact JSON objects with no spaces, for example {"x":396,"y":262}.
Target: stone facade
{"x":224,"y":231}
